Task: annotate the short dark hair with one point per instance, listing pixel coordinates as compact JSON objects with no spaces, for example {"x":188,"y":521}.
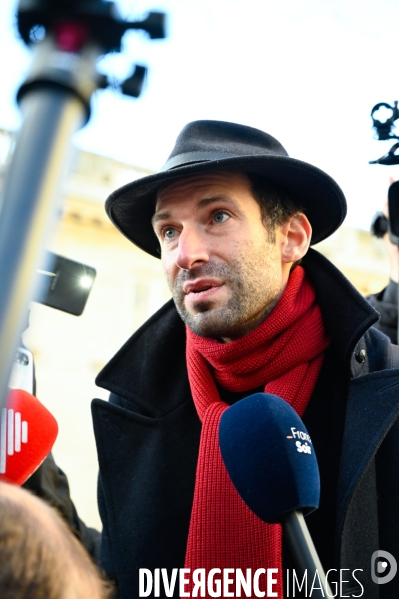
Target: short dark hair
{"x":35,"y":562}
{"x":276,"y":206}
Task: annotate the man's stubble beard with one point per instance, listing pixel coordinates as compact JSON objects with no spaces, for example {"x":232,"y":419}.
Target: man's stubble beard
{"x":254,"y":282}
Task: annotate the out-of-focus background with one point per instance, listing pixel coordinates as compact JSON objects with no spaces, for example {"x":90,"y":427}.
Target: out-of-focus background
{"x":308,"y":73}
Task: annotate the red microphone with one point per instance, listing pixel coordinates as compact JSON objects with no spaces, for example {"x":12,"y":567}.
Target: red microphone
{"x":27,"y":434}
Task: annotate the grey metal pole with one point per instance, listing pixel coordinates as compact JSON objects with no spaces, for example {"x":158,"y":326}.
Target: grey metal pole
{"x":304,"y":553}
{"x":32,"y":184}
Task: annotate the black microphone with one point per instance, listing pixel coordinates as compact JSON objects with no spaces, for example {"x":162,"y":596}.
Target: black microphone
{"x":270,"y":459}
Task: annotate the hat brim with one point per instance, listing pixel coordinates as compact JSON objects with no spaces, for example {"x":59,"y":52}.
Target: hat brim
{"x":132,"y":206}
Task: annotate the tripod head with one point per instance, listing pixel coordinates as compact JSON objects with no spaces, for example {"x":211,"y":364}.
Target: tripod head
{"x":73,"y":23}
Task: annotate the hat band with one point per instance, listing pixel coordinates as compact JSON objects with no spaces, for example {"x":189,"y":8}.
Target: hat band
{"x":189,"y":157}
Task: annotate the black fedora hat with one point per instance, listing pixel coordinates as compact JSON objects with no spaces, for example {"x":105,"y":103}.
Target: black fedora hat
{"x":205,"y":146}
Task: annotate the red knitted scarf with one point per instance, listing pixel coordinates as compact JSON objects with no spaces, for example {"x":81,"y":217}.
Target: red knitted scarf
{"x":285,"y":354}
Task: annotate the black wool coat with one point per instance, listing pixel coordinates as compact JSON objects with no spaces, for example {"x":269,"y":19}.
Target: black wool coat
{"x":148,"y":435}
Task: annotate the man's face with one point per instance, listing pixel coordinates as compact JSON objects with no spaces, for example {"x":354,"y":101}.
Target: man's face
{"x":224,"y":274}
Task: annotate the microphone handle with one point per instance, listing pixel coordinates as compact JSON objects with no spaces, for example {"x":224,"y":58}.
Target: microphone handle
{"x":304,"y":552}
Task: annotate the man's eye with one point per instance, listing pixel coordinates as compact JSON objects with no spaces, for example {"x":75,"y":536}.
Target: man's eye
{"x":220,"y":217}
{"x":169,"y":233}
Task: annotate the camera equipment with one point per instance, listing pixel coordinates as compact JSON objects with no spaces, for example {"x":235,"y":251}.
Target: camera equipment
{"x":384,"y":130}
{"x":74,"y":23}
{"x":64,"y":284}
{"x":393,"y":207}
{"x":379,"y":225}
{"x":68,"y":37}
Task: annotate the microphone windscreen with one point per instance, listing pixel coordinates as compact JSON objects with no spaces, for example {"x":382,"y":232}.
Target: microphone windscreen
{"x":27,"y":434}
{"x":269,"y":457}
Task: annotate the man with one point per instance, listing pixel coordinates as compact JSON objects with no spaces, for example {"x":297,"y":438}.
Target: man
{"x":386,"y":301}
{"x":232,"y":217}
{"x":39,"y":556}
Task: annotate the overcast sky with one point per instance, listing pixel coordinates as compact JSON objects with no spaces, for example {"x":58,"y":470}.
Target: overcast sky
{"x":307,"y":72}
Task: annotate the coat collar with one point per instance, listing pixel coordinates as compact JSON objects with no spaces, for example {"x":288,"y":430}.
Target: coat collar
{"x":150,"y":369}
{"x":346,"y":314}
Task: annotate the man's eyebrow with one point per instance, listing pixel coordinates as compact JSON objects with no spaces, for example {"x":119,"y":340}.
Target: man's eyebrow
{"x":159,"y":216}
{"x":217,"y":198}
{"x":200,"y":204}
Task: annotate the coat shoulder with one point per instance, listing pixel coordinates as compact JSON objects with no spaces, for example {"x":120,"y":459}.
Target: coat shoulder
{"x":150,"y":370}
{"x":379,"y":350}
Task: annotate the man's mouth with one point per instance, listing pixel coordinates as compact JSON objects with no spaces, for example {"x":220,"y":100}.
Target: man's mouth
{"x":199,"y":286}
{"x":201,"y":289}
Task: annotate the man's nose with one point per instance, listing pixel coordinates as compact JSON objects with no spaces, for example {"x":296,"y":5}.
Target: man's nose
{"x":192,"y":249}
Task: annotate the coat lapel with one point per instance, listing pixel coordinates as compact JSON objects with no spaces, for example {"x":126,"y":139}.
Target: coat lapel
{"x":149,"y":372}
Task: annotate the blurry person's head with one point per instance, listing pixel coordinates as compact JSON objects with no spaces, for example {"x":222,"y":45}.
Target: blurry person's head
{"x":40,"y":558}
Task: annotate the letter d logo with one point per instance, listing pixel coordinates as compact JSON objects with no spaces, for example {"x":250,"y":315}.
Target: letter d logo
{"x":380,"y":567}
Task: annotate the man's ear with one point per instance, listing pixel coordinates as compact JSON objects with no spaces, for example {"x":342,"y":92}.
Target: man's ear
{"x":295,"y":238}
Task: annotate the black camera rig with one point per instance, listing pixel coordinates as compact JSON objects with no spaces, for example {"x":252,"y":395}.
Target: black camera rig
{"x":75,"y":22}
{"x":384,"y":131}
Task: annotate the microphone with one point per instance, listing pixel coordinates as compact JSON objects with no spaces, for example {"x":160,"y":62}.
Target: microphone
{"x":27,"y":434}
{"x":270,"y":459}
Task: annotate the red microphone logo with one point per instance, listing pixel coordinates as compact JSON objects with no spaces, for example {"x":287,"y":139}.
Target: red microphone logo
{"x":13,"y":432}
{"x":27,"y":434}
